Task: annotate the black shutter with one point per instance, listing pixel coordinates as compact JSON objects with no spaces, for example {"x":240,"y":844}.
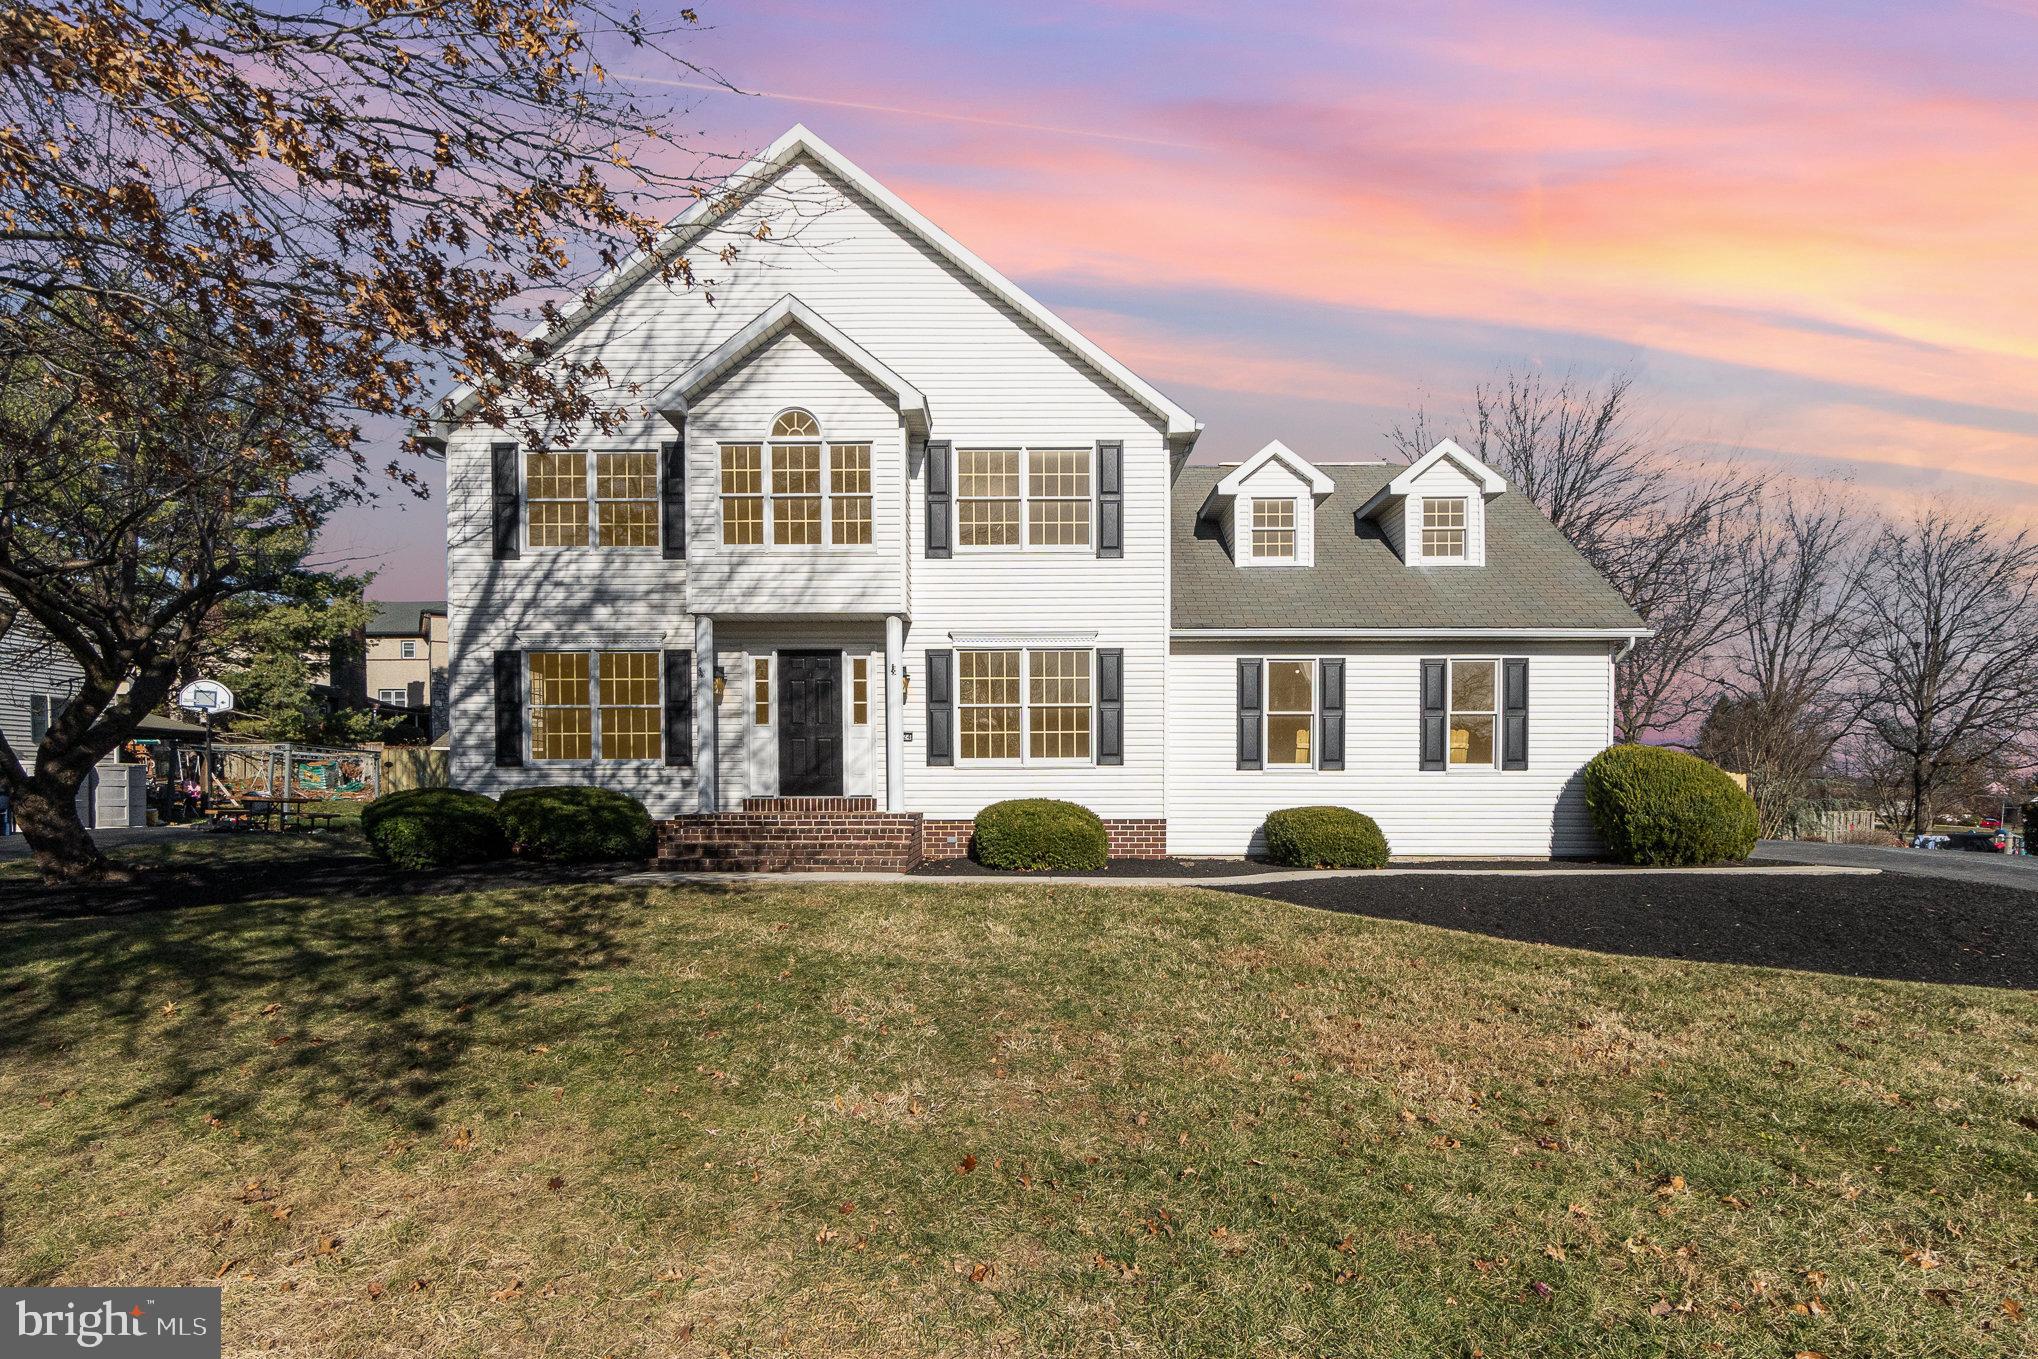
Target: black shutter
{"x":939,"y":516}
{"x":1514,"y":714}
{"x":38,"y":718}
{"x":508,"y":508}
{"x":679,"y":709}
{"x":1433,"y":714}
{"x":1111,"y":499}
{"x":940,"y":707}
{"x":1111,"y":707}
{"x":509,"y":709}
{"x":1249,"y":732}
{"x":672,"y":491}
{"x":1330,"y":745}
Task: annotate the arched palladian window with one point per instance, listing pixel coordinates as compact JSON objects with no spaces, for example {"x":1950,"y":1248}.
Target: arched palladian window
{"x":795,"y":489}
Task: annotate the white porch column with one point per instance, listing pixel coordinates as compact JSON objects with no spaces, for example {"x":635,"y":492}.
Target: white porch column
{"x":895,"y":713}
{"x":707,"y":747}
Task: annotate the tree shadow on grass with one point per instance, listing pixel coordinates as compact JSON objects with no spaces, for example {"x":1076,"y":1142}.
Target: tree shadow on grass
{"x":324,"y":979}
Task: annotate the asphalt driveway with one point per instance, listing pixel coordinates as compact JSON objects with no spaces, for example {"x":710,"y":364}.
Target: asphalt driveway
{"x":1994,"y":870}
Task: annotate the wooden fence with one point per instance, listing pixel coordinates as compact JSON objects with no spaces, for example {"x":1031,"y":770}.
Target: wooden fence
{"x":412,"y":767}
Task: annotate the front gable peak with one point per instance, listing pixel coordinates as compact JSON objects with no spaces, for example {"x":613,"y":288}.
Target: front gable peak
{"x":1491,"y":483}
{"x":1275,"y":451}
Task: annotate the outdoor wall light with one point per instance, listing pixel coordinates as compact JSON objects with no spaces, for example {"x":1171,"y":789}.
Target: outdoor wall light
{"x":905,"y":683}
{"x":721,"y":683}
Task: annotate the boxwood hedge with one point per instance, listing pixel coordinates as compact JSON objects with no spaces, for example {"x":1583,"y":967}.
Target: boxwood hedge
{"x":1324,"y":837}
{"x":575,"y":823}
{"x":1039,"y":833}
{"x":433,"y":827}
{"x":1657,"y":806}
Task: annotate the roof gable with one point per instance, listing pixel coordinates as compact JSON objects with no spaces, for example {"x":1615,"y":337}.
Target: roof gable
{"x":796,"y":142}
{"x":789,"y":313}
{"x":1275,"y":451}
{"x":1490,"y":481}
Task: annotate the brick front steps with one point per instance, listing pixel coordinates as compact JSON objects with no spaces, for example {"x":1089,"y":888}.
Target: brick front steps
{"x":818,"y":834}
{"x":815,"y":835}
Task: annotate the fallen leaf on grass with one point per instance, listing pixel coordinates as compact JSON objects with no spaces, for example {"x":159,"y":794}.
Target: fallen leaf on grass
{"x":2013,"y":1309}
{"x":1673,"y":1185}
{"x":1554,"y":1251}
{"x":1923,"y":1259}
{"x":515,"y":1289}
{"x":556,"y":1182}
{"x":966,"y":1165}
{"x":375,"y":1289}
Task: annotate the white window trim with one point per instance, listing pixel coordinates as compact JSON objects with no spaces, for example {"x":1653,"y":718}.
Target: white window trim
{"x":594,"y":543}
{"x":1267,"y":764}
{"x":1026,"y":759}
{"x":1451,"y":664}
{"x":1025,"y":451}
{"x":402,"y":699}
{"x":1247,"y":556}
{"x":769,"y":660}
{"x":406,"y":651}
{"x":771,"y":498}
{"x":1424,"y":555}
{"x":596,"y":761}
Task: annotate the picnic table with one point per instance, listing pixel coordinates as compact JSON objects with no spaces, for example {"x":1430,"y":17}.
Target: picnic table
{"x":274,"y":810}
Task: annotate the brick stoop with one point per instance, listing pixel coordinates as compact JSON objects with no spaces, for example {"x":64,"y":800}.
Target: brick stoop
{"x":791,"y":839}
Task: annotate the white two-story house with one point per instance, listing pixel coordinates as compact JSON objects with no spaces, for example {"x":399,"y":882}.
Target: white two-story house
{"x":889,"y":536}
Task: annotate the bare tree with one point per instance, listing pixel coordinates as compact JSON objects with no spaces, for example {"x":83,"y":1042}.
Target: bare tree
{"x":1658,"y":524}
{"x":1788,"y":653}
{"x":1950,"y":654}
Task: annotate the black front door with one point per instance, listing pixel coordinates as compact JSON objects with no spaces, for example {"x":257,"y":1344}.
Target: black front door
{"x":810,"y":723}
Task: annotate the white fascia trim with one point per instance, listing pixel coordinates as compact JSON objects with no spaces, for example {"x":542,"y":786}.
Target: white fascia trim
{"x":1233,"y":483}
{"x":548,"y":639}
{"x":1441,"y":634}
{"x":781,"y":315}
{"x":1070,"y":640}
{"x":1181,"y":425}
{"x":1490,"y":481}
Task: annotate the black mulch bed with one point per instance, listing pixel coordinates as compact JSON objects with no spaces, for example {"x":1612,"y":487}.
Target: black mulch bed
{"x":1117,"y":868}
{"x":1891,"y":926}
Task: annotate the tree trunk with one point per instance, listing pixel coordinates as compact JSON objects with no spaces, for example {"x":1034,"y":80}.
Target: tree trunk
{"x":1921,"y":801}
{"x":47,"y":811}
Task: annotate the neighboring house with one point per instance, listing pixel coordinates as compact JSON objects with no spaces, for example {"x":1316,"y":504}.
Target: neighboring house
{"x":889,"y":527}
{"x":404,"y":663}
{"x":37,"y":679}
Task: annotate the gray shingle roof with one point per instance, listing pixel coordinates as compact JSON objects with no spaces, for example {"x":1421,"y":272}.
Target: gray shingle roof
{"x":1533,"y":578}
{"x":400,"y":617}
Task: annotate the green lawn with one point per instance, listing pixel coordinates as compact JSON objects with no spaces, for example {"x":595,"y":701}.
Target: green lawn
{"x":582,"y":1119}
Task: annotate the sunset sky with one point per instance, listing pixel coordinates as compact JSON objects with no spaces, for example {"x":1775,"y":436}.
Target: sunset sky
{"x":1808,"y":228}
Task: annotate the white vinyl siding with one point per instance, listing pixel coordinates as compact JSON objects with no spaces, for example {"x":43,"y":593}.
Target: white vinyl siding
{"x":1214,"y":808}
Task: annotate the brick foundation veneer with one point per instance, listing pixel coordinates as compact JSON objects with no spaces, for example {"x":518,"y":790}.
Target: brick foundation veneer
{"x":1144,"y":838}
{"x":805,"y":840}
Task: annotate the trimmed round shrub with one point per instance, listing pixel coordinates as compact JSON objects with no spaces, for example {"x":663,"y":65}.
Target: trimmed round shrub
{"x":433,"y":827}
{"x":575,"y":824}
{"x":1034,"y":833}
{"x":1663,"y":807}
{"x":1324,"y":837}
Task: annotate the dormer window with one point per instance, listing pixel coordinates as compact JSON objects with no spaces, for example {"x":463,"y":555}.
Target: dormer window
{"x":1443,"y":528}
{"x":1274,"y":530}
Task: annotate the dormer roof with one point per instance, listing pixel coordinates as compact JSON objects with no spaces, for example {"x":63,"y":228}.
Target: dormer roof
{"x":1276,"y":451}
{"x":1491,"y":483}
{"x":786,"y":314}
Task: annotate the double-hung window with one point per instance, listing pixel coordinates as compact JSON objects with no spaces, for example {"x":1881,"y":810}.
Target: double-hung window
{"x":596,"y":705}
{"x":1031,"y":497}
{"x":1274,"y":530}
{"x":1024,"y":705}
{"x":407,"y":651}
{"x":1291,"y":713}
{"x":395,"y":698}
{"x":796,"y":489}
{"x":1471,"y":720}
{"x":1443,"y":527}
{"x":607,"y":499}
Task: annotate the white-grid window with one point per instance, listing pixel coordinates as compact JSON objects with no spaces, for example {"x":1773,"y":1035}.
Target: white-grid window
{"x":1443,"y":527}
{"x":1274,"y":530}
{"x":589,"y":705}
{"x":408,"y":651}
{"x":795,"y":489}
{"x":1031,"y":497}
{"x":859,"y":691}
{"x":1291,"y":713}
{"x":1473,"y":690}
{"x":607,"y":500}
{"x":760,"y":691}
{"x":1031,"y":706}
{"x":398,"y":698}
